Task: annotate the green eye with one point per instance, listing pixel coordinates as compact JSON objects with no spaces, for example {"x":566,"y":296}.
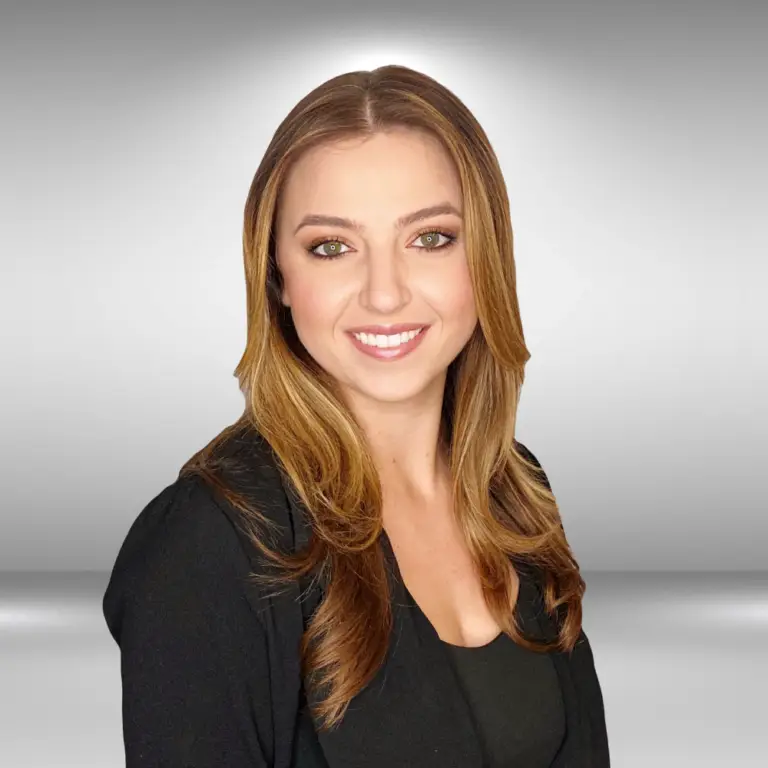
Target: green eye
{"x":334,"y":253}
{"x":337,"y":243}
{"x":434,"y":236}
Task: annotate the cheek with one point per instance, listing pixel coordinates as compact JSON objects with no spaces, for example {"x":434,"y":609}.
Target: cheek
{"x":451,"y":294}
{"x":314,"y":304}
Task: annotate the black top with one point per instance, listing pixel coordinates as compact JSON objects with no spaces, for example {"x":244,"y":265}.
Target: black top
{"x":210,"y":665}
{"x":514,"y":697}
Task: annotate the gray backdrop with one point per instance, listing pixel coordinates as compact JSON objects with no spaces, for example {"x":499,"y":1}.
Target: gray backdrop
{"x":632,"y":138}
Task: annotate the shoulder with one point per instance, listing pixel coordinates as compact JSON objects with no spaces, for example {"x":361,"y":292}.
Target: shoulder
{"x":182,"y":522}
{"x":190,"y":540}
{"x":179,"y":547}
{"x":526,"y":452}
{"x":207,"y":659}
{"x":528,"y":455}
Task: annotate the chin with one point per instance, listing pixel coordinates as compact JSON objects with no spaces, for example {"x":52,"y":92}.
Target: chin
{"x":393,"y":390}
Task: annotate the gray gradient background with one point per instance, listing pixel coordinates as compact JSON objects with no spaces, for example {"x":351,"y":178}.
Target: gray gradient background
{"x":633,"y":140}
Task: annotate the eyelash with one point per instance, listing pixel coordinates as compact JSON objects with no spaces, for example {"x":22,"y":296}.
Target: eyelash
{"x":428,"y":231}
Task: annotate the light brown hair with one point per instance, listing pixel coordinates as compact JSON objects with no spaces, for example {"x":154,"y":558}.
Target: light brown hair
{"x":506,"y":508}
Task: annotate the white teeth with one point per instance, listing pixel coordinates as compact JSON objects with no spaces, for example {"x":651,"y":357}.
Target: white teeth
{"x":380,"y":340}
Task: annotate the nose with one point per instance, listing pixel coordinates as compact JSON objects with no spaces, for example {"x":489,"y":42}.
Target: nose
{"x":386,"y":283}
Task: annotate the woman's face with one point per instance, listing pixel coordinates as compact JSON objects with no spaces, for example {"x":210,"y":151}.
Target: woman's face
{"x":382,"y":274}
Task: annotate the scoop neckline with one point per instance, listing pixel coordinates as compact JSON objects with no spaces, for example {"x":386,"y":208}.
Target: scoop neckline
{"x":414,"y":606}
{"x":473,"y":647}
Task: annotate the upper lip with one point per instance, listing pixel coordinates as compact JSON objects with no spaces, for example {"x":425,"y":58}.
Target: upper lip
{"x":387,"y":330}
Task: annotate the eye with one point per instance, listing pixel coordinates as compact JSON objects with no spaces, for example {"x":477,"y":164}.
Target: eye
{"x":335,"y":252}
{"x":435,"y":234}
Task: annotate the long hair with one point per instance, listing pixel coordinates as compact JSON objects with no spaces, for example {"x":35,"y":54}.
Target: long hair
{"x":504,"y":504}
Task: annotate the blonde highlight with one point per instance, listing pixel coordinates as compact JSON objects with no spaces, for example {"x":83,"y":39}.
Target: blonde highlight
{"x":506,"y":508}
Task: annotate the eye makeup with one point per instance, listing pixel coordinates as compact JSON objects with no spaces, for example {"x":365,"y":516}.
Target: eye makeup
{"x":451,"y":236}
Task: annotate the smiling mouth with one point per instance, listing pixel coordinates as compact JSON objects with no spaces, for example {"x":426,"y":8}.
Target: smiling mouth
{"x":383,"y":341}
{"x":388,"y":349}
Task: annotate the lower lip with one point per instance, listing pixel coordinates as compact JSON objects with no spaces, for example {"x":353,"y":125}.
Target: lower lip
{"x":390,"y":353}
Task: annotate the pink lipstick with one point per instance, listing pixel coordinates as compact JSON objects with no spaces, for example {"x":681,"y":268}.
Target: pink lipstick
{"x":389,"y":352}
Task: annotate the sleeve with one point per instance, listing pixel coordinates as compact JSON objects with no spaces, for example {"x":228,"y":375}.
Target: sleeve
{"x":586,"y":679}
{"x":193,"y":651}
{"x":584,"y":671}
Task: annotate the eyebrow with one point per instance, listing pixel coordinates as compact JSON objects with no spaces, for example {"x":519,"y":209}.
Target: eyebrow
{"x":403,"y":221}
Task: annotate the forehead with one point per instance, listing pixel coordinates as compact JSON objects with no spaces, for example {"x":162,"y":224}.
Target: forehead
{"x":401,"y":167}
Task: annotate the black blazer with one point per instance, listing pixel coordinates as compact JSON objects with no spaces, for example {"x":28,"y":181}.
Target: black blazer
{"x":210,"y":666}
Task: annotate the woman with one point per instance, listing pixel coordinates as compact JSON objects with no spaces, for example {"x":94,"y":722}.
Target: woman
{"x":366,"y":569}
